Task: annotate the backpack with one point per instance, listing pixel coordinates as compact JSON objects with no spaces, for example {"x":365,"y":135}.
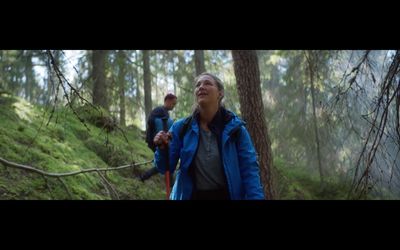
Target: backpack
{"x":187,"y":122}
{"x":157,"y":125}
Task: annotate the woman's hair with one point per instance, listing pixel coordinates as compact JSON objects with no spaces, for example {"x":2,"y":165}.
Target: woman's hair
{"x":220,"y":85}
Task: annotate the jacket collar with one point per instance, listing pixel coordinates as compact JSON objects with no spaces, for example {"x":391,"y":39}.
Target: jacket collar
{"x":219,"y":121}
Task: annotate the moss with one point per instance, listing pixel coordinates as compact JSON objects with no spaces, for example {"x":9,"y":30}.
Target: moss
{"x":97,"y":116}
{"x":21,"y":128}
{"x":58,"y":133}
{"x":299,"y":183}
{"x":68,"y":146}
{"x":82,"y":134}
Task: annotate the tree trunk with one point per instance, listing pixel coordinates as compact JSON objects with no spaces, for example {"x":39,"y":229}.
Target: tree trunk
{"x":138,"y":80}
{"x":311,"y":69}
{"x":147,"y":83}
{"x":2,"y":72}
{"x":29,"y":76}
{"x":398,"y":111}
{"x":52,"y":80}
{"x":199,"y":61}
{"x":121,"y":84}
{"x":99,"y":78}
{"x":247,"y":74}
{"x":174,"y":76}
{"x":308,"y":149}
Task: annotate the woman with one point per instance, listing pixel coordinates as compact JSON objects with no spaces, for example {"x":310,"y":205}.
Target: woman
{"x":217,"y":157}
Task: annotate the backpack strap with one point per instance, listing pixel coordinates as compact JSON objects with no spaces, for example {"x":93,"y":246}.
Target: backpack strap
{"x":187,"y":122}
{"x":234,"y":134}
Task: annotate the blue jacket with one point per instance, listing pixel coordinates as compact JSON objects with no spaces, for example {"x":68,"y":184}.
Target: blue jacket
{"x":238,"y":156}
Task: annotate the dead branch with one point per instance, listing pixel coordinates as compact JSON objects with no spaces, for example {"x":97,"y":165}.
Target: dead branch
{"x":65,"y":187}
{"x":114,"y":194}
{"x":44,"y":173}
{"x":360,"y":184}
{"x":61,"y":79}
{"x":48,"y":186}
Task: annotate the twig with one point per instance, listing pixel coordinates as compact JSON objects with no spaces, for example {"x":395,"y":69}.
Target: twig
{"x":48,"y":186}
{"x":116,"y":196}
{"x":105,"y":185}
{"x":65,"y":186}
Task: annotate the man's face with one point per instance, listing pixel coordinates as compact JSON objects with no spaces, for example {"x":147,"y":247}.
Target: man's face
{"x":170,"y":103}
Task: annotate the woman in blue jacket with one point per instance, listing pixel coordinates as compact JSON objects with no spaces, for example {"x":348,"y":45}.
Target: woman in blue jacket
{"x":217,"y":157}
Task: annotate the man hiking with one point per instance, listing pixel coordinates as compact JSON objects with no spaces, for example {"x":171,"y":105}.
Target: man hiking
{"x":155,"y":124}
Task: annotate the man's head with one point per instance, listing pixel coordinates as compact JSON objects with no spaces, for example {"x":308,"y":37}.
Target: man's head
{"x":170,"y":101}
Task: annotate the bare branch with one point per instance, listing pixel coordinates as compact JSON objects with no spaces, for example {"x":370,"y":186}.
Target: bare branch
{"x":65,"y":186}
{"x":383,"y":102}
{"x":61,"y":77}
{"x":44,"y":173}
{"x":114,"y":194}
{"x":48,"y":186}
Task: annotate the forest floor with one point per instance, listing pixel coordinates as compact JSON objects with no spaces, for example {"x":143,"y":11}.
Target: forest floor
{"x":66,"y":145}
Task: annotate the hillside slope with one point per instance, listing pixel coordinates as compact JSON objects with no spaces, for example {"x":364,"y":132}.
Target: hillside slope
{"x":65,"y":145}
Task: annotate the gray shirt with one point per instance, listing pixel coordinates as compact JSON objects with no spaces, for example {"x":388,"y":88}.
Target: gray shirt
{"x":209,"y":170}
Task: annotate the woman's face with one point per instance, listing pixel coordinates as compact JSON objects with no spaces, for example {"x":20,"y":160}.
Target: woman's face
{"x":206,"y":91}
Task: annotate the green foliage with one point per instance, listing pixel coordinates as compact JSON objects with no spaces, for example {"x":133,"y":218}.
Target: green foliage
{"x":299,"y":183}
{"x":68,"y":146}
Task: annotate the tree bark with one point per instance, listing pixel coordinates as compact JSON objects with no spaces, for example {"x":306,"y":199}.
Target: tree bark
{"x":147,"y":83}
{"x":312,"y":69}
{"x":99,"y":78}
{"x":121,"y":84}
{"x":247,"y":74}
{"x":29,"y":76}
{"x":199,"y":61}
{"x":398,"y":110}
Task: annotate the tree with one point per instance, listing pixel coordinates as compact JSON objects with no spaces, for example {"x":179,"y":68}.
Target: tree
{"x":121,"y":83}
{"x":138,"y":80}
{"x":147,"y":83}
{"x":184,"y":75}
{"x":246,"y":68}
{"x":29,"y":75}
{"x":99,"y":80}
{"x":199,"y":61}
{"x":312,"y":70}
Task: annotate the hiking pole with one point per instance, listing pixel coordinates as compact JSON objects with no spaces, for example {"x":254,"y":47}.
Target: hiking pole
{"x":167,"y":173}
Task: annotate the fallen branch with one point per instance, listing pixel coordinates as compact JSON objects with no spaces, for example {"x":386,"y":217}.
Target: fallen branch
{"x":44,"y":173}
{"x":114,"y":195}
{"x":48,"y":186}
{"x":65,"y":187}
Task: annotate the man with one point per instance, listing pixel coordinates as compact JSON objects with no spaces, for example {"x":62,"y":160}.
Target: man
{"x":155,"y":125}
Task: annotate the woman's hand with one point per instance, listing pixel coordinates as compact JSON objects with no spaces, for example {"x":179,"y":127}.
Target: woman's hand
{"x":162,"y":139}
